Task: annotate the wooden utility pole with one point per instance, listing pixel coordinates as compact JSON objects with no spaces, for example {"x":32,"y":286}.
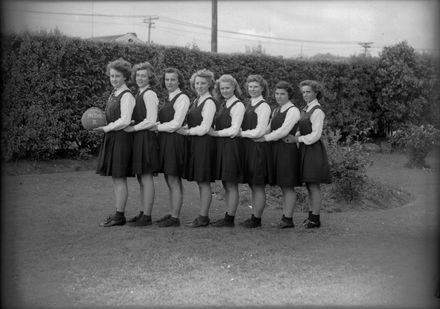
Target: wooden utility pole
{"x":365,"y":45}
{"x":214,"y":27}
{"x":150,"y":23}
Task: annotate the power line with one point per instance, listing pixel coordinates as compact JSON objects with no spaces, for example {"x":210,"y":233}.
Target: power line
{"x":185,"y":23}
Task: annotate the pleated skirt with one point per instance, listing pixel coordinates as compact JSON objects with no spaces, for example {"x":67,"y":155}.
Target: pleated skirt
{"x":115,"y":154}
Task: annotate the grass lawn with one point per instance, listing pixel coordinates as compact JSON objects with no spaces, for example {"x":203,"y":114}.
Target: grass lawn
{"x":56,"y":256}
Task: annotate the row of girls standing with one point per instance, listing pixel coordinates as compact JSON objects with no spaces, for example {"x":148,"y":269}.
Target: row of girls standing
{"x":223,"y":139}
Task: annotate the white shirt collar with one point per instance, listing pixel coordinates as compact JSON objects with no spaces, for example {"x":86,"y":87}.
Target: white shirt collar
{"x":203,"y":97}
{"x":120,"y":89}
{"x":231,"y":100}
{"x":286,"y":106}
{"x":256,"y":100}
{"x":173,"y":94}
{"x":312,"y":104}
{"x":143,"y":88}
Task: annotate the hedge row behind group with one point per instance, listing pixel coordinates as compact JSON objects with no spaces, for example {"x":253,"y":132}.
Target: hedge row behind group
{"x":50,"y":80}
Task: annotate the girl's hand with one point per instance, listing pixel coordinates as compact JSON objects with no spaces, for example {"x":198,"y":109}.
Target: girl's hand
{"x":99,"y":129}
{"x":129,"y":129}
{"x":260,"y":139}
{"x":182,"y":131}
{"x":212,"y":132}
{"x":153,"y":128}
{"x":290,"y":139}
{"x":238,"y":134}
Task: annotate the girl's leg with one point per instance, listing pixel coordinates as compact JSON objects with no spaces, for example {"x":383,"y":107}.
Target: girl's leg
{"x":258,"y":203}
{"x":205,"y":203}
{"x":314,"y":190}
{"x":205,"y":198}
{"x":121,"y":192}
{"x":315,"y":197}
{"x":121,"y":195}
{"x":146,"y":185}
{"x":176,"y":194}
{"x":258,"y":200}
{"x":289,"y":201}
{"x":231,"y":197}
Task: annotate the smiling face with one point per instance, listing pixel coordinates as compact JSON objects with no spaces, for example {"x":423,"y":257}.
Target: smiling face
{"x":142,"y":79}
{"x":281,"y":96}
{"x":308,"y":94}
{"x":171,"y":81}
{"x":201,"y":85}
{"x":226,"y":89}
{"x":117,"y":79}
{"x":255,"y":90}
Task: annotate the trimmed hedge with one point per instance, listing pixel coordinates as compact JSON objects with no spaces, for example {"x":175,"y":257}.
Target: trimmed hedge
{"x":49,"y":80}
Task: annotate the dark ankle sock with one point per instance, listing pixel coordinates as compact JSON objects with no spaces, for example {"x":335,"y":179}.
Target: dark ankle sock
{"x":147,"y":217}
{"x":203,"y":218}
{"x":229,"y":218}
{"x":119,"y":213}
{"x":310,"y":213}
{"x":255,"y":219}
{"x":314,"y":218}
{"x":286,"y":219}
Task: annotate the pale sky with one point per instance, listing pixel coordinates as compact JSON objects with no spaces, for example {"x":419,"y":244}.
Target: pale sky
{"x":293,"y":28}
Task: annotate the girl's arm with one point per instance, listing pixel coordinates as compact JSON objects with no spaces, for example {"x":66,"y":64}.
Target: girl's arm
{"x":180,"y":109}
{"x":208,"y":113}
{"x":317,"y":120}
{"x":127,"y":106}
{"x":237,"y":114}
{"x":151,"y":103}
{"x":263,"y":115}
{"x":291,"y":119}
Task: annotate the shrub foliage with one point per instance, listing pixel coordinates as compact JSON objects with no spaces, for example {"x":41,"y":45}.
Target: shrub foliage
{"x":49,"y":80}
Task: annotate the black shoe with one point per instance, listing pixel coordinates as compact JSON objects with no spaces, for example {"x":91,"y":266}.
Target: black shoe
{"x":285,"y":223}
{"x":199,"y":221}
{"x":115,"y":219}
{"x":142,"y":221}
{"x":252,"y":222}
{"x":163,"y":218}
{"x":312,"y":224}
{"x":169,"y":221}
{"x":308,"y":217}
{"x":227,"y":221}
{"x":135,"y":218}
{"x":222,"y":223}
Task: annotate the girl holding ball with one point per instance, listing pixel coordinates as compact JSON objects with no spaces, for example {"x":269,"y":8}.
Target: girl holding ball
{"x":116,"y":149}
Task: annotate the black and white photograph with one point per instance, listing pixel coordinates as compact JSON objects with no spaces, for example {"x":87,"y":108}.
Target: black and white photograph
{"x":220,"y":154}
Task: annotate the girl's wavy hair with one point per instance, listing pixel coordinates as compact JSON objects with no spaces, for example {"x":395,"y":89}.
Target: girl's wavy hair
{"x":285,"y":86}
{"x":150,"y":72}
{"x":204,"y":73}
{"x":316,"y":87}
{"x":120,"y":65}
{"x":259,"y":79}
{"x":226,"y":78}
{"x":179,"y":74}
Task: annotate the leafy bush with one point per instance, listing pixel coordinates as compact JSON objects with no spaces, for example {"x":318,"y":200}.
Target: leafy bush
{"x":348,"y":165}
{"x":58,"y":78}
{"x":417,"y":142}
